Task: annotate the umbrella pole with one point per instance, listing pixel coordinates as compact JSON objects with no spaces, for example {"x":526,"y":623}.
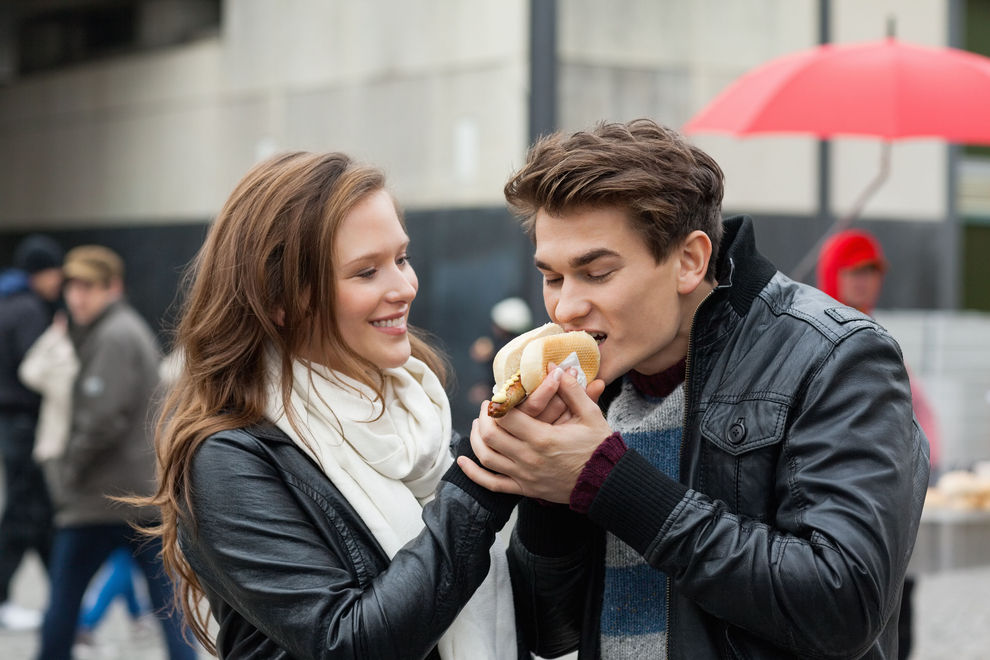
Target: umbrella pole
{"x":811,"y":258}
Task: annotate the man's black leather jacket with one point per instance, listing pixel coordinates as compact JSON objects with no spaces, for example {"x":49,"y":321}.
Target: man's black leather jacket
{"x":802,"y":473}
{"x":291,"y":571}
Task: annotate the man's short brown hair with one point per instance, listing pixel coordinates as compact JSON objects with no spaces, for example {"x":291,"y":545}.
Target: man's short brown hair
{"x":668,"y":187}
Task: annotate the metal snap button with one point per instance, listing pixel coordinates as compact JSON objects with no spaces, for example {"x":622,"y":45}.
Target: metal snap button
{"x":737,"y":432}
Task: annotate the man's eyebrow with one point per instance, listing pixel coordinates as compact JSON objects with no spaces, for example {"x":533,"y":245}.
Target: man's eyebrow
{"x":582,"y":259}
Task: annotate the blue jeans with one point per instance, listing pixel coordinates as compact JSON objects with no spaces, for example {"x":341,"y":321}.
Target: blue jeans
{"x":115,"y":579}
{"x":78,"y":552}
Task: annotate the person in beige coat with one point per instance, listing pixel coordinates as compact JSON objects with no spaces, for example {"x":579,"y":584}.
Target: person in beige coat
{"x":49,"y":368}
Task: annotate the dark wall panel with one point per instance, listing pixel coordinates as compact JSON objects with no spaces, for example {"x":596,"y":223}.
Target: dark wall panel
{"x":154,"y":258}
{"x":469,"y":259}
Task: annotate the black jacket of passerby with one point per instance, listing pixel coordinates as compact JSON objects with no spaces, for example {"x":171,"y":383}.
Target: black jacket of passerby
{"x":291,"y":570}
{"x":802,"y":474}
{"x":23,"y":317}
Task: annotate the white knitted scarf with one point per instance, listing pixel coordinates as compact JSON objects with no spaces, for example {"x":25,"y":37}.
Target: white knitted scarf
{"x":388,"y":465}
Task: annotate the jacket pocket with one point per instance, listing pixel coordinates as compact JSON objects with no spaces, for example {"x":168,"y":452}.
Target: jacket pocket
{"x":738,"y":427}
{"x":741,"y":453}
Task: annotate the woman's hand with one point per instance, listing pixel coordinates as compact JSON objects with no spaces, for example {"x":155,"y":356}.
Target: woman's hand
{"x":539,"y":448}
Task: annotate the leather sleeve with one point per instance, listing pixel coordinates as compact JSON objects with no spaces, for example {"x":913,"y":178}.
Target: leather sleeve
{"x":551,"y":561}
{"x":257,"y":547}
{"x":822,"y":573}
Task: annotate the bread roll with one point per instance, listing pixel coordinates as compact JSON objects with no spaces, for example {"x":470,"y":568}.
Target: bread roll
{"x":520,"y":366}
{"x":555,"y":348}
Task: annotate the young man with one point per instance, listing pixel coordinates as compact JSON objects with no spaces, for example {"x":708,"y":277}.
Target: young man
{"x":750,"y":482}
{"x":108,"y":452}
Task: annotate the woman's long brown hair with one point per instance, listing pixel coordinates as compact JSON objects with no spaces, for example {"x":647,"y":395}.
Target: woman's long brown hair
{"x":265,"y":258}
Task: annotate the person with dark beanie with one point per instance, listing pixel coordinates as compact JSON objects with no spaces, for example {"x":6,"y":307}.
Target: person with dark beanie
{"x":745,"y":478}
{"x":30,"y":291}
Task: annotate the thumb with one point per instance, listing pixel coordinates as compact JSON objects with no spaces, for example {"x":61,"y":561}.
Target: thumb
{"x":595,"y":389}
{"x":575,"y":396}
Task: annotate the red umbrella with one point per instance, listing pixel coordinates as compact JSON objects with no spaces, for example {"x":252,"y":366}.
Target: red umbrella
{"x":887,"y":89}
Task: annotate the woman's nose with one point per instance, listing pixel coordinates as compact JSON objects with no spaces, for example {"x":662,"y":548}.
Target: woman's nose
{"x":403,"y":285}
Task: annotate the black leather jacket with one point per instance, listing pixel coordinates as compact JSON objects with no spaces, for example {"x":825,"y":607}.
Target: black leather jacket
{"x":803,"y":477}
{"x":291,"y":571}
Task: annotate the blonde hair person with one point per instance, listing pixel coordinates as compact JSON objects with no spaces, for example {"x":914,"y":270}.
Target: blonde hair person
{"x":307,"y":484}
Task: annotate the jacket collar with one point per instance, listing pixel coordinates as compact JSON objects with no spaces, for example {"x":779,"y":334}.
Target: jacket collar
{"x":740,"y":269}
{"x":268,"y":431}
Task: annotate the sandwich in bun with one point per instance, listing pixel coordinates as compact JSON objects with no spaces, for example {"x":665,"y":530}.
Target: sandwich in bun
{"x":521,"y":365}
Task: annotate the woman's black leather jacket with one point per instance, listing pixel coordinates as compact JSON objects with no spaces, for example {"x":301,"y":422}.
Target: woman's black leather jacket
{"x":291,"y":571}
{"x":802,"y":474}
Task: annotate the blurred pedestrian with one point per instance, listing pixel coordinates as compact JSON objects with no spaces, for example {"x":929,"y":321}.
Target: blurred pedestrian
{"x":30,"y":293}
{"x":108,"y":452}
{"x":49,"y":368}
{"x":851,"y":269}
{"x":510,"y":318}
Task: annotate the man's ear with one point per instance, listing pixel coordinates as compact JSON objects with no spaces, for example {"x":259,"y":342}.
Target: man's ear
{"x":695,"y":253}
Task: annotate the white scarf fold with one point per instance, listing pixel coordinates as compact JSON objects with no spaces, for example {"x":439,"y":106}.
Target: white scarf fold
{"x":388,"y":467}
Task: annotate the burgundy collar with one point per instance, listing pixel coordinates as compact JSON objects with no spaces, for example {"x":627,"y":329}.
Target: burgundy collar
{"x":661,"y":384}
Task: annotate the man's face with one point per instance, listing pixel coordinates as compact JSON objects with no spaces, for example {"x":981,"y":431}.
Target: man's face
{"x":47,"y":283}
{"x":599,"y":276}
{"x":859,"y":287}
{"x":87,"y":300}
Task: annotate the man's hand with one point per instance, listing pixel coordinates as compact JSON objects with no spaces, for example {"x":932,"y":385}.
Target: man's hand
{"x":539,"y":448}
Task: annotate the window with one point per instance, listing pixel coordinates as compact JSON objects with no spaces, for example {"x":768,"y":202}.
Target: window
{"x":51,"y":34}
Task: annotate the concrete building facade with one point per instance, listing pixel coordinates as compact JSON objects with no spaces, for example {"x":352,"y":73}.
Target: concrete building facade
{"x":138,"y":144}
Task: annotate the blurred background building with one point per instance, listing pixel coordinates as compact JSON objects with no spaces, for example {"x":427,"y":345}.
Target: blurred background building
{"x":127,"y":122}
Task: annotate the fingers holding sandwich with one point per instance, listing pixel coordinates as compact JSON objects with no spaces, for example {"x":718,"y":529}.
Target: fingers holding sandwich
{"x":521,"y":365}
{"x":496,"y":465}
{"x":546,"y":405}
{"x":533,"y":457}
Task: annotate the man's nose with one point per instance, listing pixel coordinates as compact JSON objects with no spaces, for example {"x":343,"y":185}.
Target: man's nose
{"x":572,"y":305}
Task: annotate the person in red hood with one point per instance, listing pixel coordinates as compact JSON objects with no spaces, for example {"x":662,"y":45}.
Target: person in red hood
{"x":851,"y":268}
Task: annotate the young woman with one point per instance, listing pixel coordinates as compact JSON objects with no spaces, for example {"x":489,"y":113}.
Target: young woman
{"x":307,"y":486}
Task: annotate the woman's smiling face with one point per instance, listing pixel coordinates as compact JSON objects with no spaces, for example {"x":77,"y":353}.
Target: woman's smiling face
{"x":375,"y":283}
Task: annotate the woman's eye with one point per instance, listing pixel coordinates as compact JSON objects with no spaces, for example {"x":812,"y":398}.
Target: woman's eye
{"x":367,"y":274}
{"x":403,"y":260}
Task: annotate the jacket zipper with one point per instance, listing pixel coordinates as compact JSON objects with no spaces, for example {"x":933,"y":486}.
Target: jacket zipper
{"x":680,"y":448}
